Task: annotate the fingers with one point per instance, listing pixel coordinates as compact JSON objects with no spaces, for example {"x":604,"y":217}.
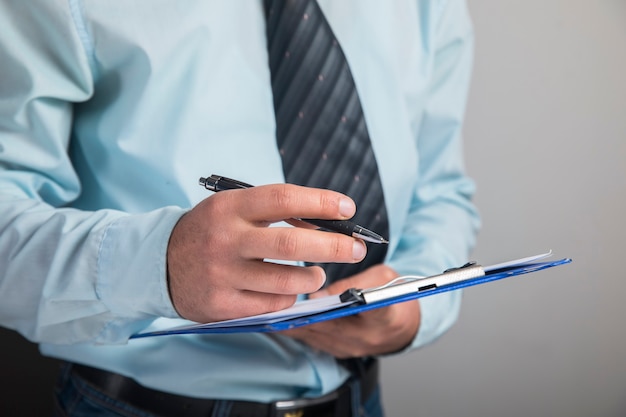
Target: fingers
{"x":296,"y":244}
{"x":228,"y":304}
{"x":370,"y":278}
{"x":217,"y":252}
{"x":217,"y":304}
{"x":380,"y":331}
{"x":268,"y":287}
{"x":259,"y":206}
{"x":342,"y":338}
{"x":244,"y":290}
{"x":271,"y":278}
{"x":277,"y":202}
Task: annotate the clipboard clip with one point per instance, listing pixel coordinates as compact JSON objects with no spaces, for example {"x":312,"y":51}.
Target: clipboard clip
{"x":358,"y":295}
{"x":352,"y":294}
{"x":469,"y":270}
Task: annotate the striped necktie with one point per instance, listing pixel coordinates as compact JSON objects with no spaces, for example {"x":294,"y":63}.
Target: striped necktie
{"x":320,"y":128}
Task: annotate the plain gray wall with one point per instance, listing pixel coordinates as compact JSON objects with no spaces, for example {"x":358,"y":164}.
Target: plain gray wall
{"x":545,"y":141}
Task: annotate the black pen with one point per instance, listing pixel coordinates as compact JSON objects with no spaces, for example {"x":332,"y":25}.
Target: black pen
{"x":217,"y":183}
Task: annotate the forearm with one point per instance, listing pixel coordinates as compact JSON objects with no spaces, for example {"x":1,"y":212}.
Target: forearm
{"x":71,"y":276}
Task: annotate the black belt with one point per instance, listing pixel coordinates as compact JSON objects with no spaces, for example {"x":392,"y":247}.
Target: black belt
{"x":119,"y":387}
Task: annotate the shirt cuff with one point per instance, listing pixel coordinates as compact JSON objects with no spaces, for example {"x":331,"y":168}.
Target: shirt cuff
{"x":132,"y":267}
{"x":438,"y":313}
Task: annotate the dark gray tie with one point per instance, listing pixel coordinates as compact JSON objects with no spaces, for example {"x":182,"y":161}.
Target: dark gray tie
{"x":320,"y":128}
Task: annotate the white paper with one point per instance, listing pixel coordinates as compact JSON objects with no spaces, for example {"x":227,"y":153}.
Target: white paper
{"x":517,"y":262}
{"x":299,"y":309}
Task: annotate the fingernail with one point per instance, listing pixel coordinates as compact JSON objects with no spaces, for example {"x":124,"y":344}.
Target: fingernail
{"x":346,"y":207}
{"x":358,"y":250}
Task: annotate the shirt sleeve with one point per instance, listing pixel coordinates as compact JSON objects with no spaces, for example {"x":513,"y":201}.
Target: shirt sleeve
{"x":60,"y":279}
{"x":442,"y":223}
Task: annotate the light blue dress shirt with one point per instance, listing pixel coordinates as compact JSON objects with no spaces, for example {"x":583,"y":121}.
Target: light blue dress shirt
{"x":111,"y":111}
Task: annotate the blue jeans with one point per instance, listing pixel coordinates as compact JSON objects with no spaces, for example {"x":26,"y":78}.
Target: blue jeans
{"x":76,"y":398}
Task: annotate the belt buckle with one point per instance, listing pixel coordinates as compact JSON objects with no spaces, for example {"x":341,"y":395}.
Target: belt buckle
{"x":305,"y":407}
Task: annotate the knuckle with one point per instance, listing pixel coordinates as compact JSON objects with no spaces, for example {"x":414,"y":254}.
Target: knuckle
{"x":214,"y":271}
{"x":290,"y":281}
{"x":340,"y":247}
{"x":328,"y":203}
{"x":282,"y":196}
{"x":287,"y":244}
{"x":284,"y":283}
{"x":217,"y":204}
{"x":218,"y":306}
{"x":217,"y":300}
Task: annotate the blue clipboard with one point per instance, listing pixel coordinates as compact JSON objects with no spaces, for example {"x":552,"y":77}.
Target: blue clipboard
{"x":358,"y":307}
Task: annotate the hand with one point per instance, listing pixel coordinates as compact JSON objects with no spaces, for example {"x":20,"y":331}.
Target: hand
{"x":375,"y":332}
{"x":216,"y":252}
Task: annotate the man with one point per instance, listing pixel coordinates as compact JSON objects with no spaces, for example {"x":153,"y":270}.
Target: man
{"x":109,"y":113}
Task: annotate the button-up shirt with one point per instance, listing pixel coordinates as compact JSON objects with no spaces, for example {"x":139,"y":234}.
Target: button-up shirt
{"x":111,"y":111}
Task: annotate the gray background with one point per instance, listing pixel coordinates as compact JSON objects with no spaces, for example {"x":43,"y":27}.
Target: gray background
{"x":545,"y":142}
